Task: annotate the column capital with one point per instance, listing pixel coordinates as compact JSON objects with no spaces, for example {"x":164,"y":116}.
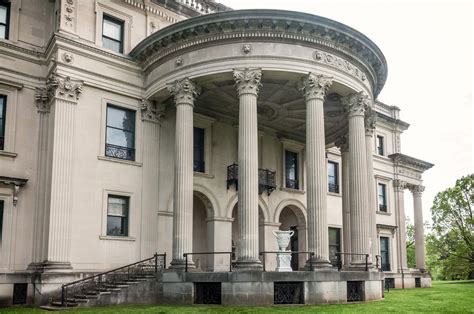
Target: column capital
{"x":399,"y":185}
{"x":370,"y":121}
{"x":184,"y":91}
{"x":315,"y":86}
{"x":416,"y":190}
{"x":63,"y":87}
{"x":343,"y":143}
{"x":151,"y":111}
{"x":42,"y":99}
{"x":247,"y":81}
{"x":355,"y":104}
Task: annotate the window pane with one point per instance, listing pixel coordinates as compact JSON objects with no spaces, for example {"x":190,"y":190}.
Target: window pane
{"x":111,"y":44}
{"x":112,"y":29}
{"x":3,"y":31}
{"x":117,"y":206}
{"x":119,"y":138}
{"x":121,"y":119}
{"x":3,"y":14}
{"x":114,"y":226}
{"x":199,"y":164}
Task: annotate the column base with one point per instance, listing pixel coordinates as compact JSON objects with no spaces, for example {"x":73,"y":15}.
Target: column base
{"x":181,"y":264}
{"x":50,"y":266}
{"x":317,"y":264}
{"x":360,"y":265}
{"x":248,"y":265}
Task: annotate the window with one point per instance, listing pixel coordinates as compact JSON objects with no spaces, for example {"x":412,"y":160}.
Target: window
{"x":112,"y":34}
{"x":385,"y":253}
{"x":334,"y":244}
{"x":291,"y":170}
{"x":382,"y":192}
{"x":120,"y":133}
{"x":4,"y":19}
{"x":2,"y":203}
{"x":117,"y":215}
{"x":199,"y":164}
{"x":333,"y":182}
{"x":380,"y":150}
{"x":3,"y":111}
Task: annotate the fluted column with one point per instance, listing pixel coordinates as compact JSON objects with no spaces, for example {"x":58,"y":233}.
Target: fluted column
{"x":247,"y":84}
{"x":399,"y":187}
{"x":355,"y":106}
{"x":417,"y":191}
{"x":64,"y":94}
{"x":184,"y":92}
{"x":370,"y":120}
{"x":346,"y":206}
{"x":314,"y":88}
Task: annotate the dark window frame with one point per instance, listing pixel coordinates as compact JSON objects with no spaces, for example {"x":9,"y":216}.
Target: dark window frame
{"x":122,"y":31}
{"x":292,"y":183}
{"x":7,"y":24}
{"x":380,"y":145}
{"x":4,"y":118}
{"x":126,"y":231}
{"x":385,"y":265}
{"x":334,"y":187}
{"x":382,"y":206}
{"x":130,"y":150}
{"x":199,"y":164}
{"x":333,"y":258}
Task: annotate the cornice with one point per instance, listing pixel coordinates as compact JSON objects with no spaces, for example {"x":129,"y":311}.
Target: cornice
{"x":405,"y":160}
{"x":275,"y":25}
{"x":383,"y":117}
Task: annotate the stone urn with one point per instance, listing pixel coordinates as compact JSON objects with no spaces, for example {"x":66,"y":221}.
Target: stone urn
{"x":283,"y":238}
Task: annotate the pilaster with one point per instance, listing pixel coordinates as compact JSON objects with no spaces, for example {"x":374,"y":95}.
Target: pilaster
{"x":314,"y":88}
{"x":399,"y":187}
{"x":370,"y":120}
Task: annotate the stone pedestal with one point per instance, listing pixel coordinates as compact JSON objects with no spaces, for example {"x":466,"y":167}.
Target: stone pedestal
{"x":283,"y":261}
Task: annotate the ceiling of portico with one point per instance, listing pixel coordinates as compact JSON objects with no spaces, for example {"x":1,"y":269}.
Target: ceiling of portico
{"x":280,"y":106}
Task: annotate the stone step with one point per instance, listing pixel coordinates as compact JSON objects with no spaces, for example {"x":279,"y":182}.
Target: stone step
{"x":68,"y":304}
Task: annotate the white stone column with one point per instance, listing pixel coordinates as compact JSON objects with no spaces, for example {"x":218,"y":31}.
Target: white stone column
{"x":184,"y":92}
{"x":151,"y":114}
{"x":370,"y":120}
{"x":346,"y":206}
{"x":417,"y":191}
{"x":247,"y":84}
{"x":399,"y":187}
{"x":355,"y":106}
{"x":314,"y":88}
{"x":64,"y":94}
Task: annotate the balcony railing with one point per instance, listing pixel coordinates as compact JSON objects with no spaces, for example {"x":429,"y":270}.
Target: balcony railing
{"x":119,"y":152}
{"x":266,"y":179}
{"x":333,"y":188}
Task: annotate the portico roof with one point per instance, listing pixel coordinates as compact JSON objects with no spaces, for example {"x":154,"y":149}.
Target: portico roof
{"x":265,"y":26}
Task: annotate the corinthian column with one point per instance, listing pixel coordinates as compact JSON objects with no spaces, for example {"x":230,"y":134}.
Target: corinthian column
{"x":346,"y":205}
{"x":399,"y":187}
{"x":355,"y":106}
{"x":247,"y":84}
{"x":370,"y":120}
{"x":184,"y":92}
{"x":63,"y":93}
{"x":314,"y":88}
{"x":417,"y":191}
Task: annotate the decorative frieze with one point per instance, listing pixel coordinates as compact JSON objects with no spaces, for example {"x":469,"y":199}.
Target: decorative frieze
{"x":69,"y":15}
{"x":339,"y":63}
{"x":184,"y":91}
{"x":355,"y":104}
{"x":152,"y":112}
{"x":247,"y":81}
{"x":315,"y":86}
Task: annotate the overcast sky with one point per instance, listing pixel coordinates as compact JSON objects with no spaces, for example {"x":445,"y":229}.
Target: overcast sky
{"x":429,"y":48}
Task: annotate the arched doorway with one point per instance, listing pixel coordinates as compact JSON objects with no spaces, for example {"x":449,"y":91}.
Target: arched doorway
{"x":292,"y":218}
{"x":201,"y":241}
{"x":236,"y":232}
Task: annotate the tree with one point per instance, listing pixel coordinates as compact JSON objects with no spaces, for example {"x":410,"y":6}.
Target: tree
{"x":451,"y":245}
{"x":410,"y":244}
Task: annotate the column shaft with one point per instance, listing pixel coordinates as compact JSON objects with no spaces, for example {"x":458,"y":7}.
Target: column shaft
{"x":372,"y":196}
{"x":346,"y":206}
{"x":419,"y":231}
{"x":401,"y":230}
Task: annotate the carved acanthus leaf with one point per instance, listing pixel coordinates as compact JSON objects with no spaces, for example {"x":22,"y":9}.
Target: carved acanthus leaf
{"x":184,"y":91}
{"x":151,"y":111}
{"x":343,"y":143}
{"x":355,"y":104}
{"x":417,"y":190}
{"x":247,"y":81}
{"x":315,"y":86}
{"x":399,"y":185}
{"x":370,"y":120}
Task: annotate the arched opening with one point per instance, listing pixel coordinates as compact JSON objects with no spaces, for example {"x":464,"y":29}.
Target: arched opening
{"x":292,"y":218}
{"x":236,"y":232}
{"x":201,"y":240}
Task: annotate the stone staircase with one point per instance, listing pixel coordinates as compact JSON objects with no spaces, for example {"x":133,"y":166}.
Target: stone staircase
{"x":136,"y":283}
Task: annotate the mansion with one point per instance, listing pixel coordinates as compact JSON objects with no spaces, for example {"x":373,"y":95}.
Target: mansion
{"x":135,"y":127}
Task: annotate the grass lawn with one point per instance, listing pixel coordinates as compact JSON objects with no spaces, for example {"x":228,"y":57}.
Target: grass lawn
{"x":448,"y":296}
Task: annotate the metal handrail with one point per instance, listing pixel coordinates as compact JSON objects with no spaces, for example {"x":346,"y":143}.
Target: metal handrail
{"x":185,"y":255}
{"x":99,"y":276}
{"x":339,"y":261}
{"x":311,"y":255}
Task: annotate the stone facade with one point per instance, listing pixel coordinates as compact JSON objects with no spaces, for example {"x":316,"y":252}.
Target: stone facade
{"x":258,"y":83}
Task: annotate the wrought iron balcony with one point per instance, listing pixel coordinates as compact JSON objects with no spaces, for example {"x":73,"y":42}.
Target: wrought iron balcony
{"x":119,"y":152}
{"x":333,"y":188}
{"x":266,"y":179}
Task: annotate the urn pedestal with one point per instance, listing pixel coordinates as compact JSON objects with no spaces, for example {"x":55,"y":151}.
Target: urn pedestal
{"x":283,"y":257}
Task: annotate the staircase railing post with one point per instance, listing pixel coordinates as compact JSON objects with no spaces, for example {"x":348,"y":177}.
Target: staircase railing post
{"x":164,"y":260}
{"x":230,"y":262}
{"x":128,"y":272}
{"x":311,"y":256}
{"x":156,"y":262}
{"x":62,"y":295}
{"x":366,"y":262}
{"x":185,"y":262}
